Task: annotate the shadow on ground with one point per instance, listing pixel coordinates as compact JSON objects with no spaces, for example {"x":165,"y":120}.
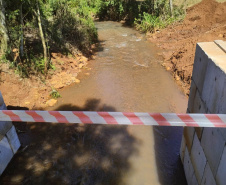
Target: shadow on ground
{"x":167,"y":153}
{"x":72,"y":154}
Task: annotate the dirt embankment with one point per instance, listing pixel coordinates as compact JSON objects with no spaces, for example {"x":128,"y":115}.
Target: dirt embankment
{"x":204,"y":22}
{"x":34,"y":92}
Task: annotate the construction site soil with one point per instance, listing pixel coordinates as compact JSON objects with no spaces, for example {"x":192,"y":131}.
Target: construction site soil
{"x":204,"y":22}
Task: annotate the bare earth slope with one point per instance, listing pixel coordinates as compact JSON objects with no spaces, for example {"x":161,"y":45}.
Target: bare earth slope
{"x":34,"y":92}
{"x":204,"y":22}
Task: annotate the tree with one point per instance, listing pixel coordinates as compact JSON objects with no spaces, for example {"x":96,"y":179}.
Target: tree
{"x":171,"y":7}
{"x":21,"y":32}
{"x":3,"y":30}
{"x":42,"y":35}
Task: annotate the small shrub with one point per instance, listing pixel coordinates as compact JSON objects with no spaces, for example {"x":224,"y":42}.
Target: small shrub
{"x":148,"y":23}
{"x":55,"y":94}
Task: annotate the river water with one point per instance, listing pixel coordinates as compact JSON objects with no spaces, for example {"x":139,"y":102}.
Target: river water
{"x":127,"y":76}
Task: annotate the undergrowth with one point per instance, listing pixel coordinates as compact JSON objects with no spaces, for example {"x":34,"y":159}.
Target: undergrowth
{"x":68,"y":25}
{"x":55,"y":94}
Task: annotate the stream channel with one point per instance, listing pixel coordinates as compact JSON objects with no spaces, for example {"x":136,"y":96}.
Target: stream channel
{"x":127,"y":76}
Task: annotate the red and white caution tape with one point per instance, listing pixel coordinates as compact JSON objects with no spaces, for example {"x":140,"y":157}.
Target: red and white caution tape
{"x":163,"y":119}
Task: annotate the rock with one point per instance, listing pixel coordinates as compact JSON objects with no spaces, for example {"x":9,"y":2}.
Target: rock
{"x":83,"y":59}
{"x":51,"y":102}
{"x":59,"y":85}
{"x":221,"y":35}
{"x":81,"y":65}
{"x":87,"y":74}
{"x":168,"y":68}
{"x":77,"y":81}
{"x":27,"y":103}
{"x":177,"y":78}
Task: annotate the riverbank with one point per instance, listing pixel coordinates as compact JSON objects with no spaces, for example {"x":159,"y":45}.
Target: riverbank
{"x":204,"y":22}
{"x":34,"y":92}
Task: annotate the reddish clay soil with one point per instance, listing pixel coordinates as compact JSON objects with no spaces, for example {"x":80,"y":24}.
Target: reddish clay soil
{"x":204,"y":22}
{"x":34,"y":92}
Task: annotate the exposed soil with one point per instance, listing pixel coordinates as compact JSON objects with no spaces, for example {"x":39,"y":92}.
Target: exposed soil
{"x":34,"y":92}
{"x":204,"y":22}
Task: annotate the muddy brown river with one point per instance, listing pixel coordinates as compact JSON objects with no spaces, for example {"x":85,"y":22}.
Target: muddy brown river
{"x":125,"y":76}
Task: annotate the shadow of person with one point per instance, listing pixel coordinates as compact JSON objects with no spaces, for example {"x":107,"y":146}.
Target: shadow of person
{"x":90,"y":105}
{"x":73,"y":153}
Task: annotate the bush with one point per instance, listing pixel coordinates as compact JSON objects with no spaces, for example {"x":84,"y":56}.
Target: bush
{"x":73,"y":23}
{"x":146,"y":15}
{"x":159,"y":18}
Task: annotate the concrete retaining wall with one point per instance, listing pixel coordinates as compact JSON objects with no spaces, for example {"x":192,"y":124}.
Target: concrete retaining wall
{"x":9,"y":142}
{"x":203,"y":150}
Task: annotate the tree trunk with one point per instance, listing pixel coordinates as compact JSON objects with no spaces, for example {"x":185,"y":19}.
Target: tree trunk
{"x":22,"y":33}
{"x":3,"y":30}
{"x":42,"y":36}
{"x":171,"y":7}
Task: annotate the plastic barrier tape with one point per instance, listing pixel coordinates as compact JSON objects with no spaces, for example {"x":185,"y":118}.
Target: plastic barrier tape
{"x":121,"y":118}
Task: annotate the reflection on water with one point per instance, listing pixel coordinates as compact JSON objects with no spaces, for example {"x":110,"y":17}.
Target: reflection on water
{"x":126,"y":76}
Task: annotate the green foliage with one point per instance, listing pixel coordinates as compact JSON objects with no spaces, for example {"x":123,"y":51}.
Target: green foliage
{"x":151,"y":23}
{"x":69,"y":24}
{"x":148,"y":23}
{"x":113,"y":9}
{"x":64,"y":22}
{"x":73,"y":23}
{"x":55,"y":94}
{"x":147,"y":15}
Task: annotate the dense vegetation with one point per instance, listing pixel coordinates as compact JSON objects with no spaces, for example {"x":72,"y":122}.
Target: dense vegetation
{"x":32,"y":29}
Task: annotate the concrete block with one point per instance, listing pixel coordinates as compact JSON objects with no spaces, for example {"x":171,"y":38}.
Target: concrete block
{"x":189,"y":170}
{"x":194,"y":180}
{"x":199,"y":131}
{"x":221,"y":44}
{"x":222,"y":103}
{"x":223,"y":133}
{"x":199,"y":68}
{"x":192,"y":94}
{"x":208,"y":178}
{"x":182,"y":149}
{"x":213,"y":144}
{"x":213,"y":87}
{"x":199,"y":104}
{"x":188,"y":135}
{"x":6,"y":154}
{"x":1,"y":99}
{"x":13,"y":139}
{"x":221,"y":172}
{"x":198,"y":159}
{"x":4,"y":126}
